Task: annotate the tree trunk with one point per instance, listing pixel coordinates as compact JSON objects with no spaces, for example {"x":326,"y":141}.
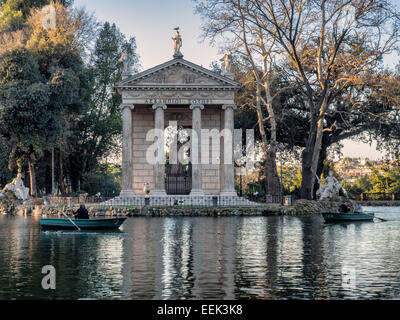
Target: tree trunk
{"x":272,"y":184}
{"x":273,"y":181}
{"x":318,"y":142}
{"x":60,"y":173}
{"x":326,"y":142}
{"x":306,"y":191}
{"x":32,"y":178}
{"x":75,"y":182}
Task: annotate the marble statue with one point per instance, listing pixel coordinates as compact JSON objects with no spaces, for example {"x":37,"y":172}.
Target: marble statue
{"x":177,"y":44}
{"x":126,"y":59}
{"x":226,"y":64}
{"x":331,"y":189}
{"x":146,"y":188}
{"x":17,"y":186}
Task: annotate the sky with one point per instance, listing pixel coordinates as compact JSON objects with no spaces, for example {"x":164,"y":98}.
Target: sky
{"x":152,"y":23}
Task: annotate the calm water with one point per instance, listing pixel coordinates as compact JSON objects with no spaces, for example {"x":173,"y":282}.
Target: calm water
{"x":206,"y":258}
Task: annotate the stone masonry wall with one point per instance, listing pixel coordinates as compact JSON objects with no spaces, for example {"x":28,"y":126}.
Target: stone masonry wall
{"x":211,"y":119}
{"x":143,"y":121}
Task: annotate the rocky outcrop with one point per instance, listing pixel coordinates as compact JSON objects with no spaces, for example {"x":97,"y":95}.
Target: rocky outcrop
{"x":8,"y":203}
{"x":307,"y":207}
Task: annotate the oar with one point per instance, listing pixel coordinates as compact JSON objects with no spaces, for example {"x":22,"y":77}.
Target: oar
{"x":373,"y":216}
{"x":383,"y":220}
{"x":79,"y":229}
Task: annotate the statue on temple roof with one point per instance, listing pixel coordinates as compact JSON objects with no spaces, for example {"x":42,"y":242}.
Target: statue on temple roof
{"x":177,"y":44}
{"x":127,"y":60}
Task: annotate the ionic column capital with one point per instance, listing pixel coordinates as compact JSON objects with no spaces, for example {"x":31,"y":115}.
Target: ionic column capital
{"x":195,"y":106}
{"x":125,"y":105}
{"x":227,"y":106}
{"x":163,"y":106}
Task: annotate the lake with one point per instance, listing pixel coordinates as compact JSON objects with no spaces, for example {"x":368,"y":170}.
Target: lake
{"x":206,"y":258}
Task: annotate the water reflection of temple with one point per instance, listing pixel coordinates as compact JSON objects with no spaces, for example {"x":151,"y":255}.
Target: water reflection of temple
{"x":202,"y":258}
{"x":186,"y":262}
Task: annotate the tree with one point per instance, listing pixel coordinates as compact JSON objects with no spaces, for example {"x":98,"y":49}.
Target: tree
{"x":24,"y":113}
{"x":256,"y":53}
{"x":40,"y":102}
{"x":330,"y":48}
{"x":98,"y":130}
{"x":5,"y":175}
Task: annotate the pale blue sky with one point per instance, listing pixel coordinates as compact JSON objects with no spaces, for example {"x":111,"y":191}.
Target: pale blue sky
{"x":152,"y":23}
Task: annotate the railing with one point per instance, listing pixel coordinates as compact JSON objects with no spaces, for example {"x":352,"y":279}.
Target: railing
{"x":264,"y":198}
{"x":70,"y":201}
{"x":380,"y":196}
{"x":180,"y":201}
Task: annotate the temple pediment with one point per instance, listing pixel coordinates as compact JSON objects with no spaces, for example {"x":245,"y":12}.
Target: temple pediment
{"x":178,"y":73}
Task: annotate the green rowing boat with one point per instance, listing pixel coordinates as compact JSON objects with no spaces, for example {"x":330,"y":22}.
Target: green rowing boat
{"x":346,"y":217}
{"x":92,"y":224}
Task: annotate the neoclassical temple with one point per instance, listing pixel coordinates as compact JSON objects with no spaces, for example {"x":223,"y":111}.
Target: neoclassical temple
{"x":180,"y":92}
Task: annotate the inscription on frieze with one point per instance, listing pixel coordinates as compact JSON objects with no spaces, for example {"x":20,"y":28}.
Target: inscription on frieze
{"x":179,"y":101}
{"x":180,"y":95}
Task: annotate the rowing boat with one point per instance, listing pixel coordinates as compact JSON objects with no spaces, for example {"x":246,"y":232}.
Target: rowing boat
{"x":351,"y":216}
{"x":92,"y":224}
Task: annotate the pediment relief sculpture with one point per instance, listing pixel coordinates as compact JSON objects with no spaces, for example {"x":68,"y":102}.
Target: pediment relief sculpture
{"x":177,"y":75}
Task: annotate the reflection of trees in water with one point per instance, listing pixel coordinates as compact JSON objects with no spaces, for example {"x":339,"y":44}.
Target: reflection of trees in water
{"x":203,"y":258}
{"x":314,"y":269}
{"x":208,"y":263}
{"x":88,"y":265}
{"x":143,"y":264}
{"x":251,"y":263}
{"x":18,"y":254}
{"x":271,"y":256}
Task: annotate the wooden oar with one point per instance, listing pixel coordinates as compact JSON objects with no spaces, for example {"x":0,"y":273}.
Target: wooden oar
{"x":383,"y":220}
{"x":79,"y":229}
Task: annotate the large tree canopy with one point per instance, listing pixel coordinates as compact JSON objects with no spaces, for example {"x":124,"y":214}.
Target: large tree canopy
{"x":329,"y":51}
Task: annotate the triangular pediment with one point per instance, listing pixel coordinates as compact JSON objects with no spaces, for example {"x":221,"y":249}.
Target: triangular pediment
{"x":180,"y":73}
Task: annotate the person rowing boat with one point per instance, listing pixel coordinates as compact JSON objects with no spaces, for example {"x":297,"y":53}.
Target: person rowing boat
{"x":82,"y":213}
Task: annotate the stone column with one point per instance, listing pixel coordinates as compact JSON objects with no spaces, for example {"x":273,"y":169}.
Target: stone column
{"x":197,"y":181}
{"x":127,"y":190}
{"x":159,"y":168}
{"x":228,"y":164}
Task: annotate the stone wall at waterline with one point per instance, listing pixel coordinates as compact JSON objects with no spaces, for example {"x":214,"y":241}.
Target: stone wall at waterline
{"x":307,"y":207}
{"x":8,"y":203}
{"x":298,"y":209}
{"x":164,"y":211}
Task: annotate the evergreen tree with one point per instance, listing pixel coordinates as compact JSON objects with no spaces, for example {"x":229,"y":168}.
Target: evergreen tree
{"x":24,"y":110}
{"x":99,"y":128}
